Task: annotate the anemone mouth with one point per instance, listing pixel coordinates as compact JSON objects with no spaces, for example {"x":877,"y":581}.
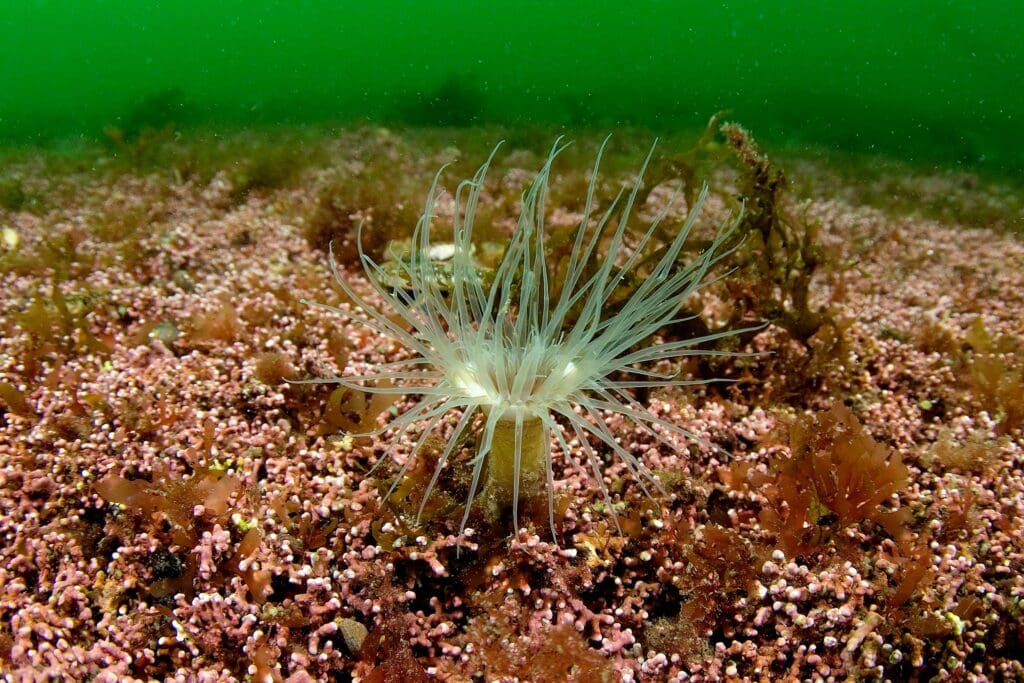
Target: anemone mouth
{"x":530,"y":379}
{"x":527,"y":348}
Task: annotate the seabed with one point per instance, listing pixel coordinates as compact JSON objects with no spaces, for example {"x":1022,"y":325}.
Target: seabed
{"x":172,"y":509}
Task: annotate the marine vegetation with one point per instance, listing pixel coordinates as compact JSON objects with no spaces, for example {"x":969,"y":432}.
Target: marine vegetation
{"x":528,"y":355}
{"x":780,"y":252}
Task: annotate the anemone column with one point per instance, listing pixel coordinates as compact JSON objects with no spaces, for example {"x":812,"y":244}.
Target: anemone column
{"x":518,"y":463}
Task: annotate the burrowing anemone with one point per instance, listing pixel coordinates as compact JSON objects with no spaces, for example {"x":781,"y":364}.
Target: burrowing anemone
{"x":523,"y":359}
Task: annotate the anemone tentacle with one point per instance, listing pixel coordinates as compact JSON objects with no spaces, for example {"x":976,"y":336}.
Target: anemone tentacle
{"x":501,"y":354}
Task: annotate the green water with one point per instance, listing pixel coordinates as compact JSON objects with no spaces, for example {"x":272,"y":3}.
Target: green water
{"x":931,"y":81}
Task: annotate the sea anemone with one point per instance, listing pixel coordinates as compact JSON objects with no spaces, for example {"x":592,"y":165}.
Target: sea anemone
{"x":522,"y":357}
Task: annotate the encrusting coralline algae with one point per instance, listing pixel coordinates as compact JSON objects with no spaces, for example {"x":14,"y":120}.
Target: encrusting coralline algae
{"x":124,"y":373}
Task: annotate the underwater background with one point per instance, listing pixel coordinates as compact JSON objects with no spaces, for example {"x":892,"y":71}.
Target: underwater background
{"x":934,"y":82}
{"x":235,"y":341}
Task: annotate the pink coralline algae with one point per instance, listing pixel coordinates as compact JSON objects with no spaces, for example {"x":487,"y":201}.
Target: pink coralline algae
{"x":171,"y":509}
